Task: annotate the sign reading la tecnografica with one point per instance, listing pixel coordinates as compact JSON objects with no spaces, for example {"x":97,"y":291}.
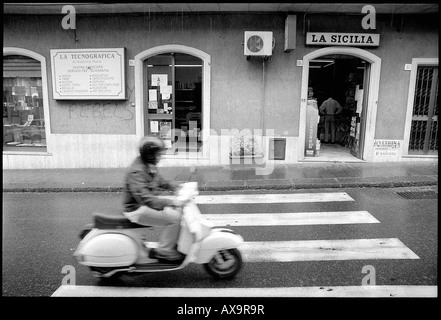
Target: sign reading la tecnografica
{"x":86,"y":74}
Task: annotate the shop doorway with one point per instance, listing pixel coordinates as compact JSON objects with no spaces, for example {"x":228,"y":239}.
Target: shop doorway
{"x":174,"y":100}
{"x":178,"y":78}
{"x":345,"y":78}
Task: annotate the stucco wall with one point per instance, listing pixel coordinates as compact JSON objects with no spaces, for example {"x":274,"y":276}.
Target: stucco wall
{"x":240,"y":90}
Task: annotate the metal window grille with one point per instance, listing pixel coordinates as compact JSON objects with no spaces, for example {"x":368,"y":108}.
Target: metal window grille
{"x":424,"y":127}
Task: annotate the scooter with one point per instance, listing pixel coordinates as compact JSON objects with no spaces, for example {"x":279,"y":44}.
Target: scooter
{"x":113,"y":245}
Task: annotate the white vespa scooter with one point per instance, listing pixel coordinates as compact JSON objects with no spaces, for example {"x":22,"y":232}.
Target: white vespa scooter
{"x":113,"y":246}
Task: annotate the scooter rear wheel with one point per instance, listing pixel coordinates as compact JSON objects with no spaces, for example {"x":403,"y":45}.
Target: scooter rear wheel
{"x":225,"y":264}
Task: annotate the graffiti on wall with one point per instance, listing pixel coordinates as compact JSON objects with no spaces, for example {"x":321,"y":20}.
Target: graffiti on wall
{"x":102,"y":110}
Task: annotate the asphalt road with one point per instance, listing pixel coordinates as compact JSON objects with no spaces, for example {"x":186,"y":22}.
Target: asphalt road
{"x":40,"y":233}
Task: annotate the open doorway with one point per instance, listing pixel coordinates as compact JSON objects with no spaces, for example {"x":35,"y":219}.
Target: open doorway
{"x":346,"y":77}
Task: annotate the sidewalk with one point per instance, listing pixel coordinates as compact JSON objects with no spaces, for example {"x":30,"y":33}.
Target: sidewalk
{"x":303,"y":175}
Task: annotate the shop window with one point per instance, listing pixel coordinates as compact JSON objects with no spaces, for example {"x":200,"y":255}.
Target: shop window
{"x":23,"y":112}
{"x":174,"y":100}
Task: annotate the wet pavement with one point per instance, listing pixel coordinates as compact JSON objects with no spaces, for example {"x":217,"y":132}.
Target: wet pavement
{"x":302,"y":175}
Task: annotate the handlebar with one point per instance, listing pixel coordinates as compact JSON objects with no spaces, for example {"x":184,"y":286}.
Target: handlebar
{"x":187,"y":191}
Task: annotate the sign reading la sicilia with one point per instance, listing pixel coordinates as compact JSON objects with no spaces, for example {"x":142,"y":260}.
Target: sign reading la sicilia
{"x":343,"y":39}
{"x":80,"y":74}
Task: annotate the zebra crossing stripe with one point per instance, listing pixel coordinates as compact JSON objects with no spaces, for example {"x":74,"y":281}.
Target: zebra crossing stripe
{"x":335,"y":291}
{"x":290,"y":219}
{"x":325,"y":250}
{"x":270,"y":198}
{"x":273,"y":198}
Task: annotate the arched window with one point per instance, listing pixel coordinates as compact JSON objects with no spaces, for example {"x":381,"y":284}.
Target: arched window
{"x":24,"y":127}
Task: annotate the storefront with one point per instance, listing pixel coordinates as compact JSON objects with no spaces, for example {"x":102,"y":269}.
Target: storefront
{"x":216,"y":91}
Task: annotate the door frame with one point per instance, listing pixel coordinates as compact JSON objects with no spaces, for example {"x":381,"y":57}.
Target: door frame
{"x":206,"y":80}
{"x":371,"y":108}
{"x":366,"y":77}
{"x":416,"y":62}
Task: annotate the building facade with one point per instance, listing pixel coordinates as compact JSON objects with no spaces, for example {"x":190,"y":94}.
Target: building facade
{"x":219,"y":83}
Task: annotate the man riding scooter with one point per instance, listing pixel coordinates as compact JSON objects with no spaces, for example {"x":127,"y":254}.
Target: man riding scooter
{"x":142,"y":205}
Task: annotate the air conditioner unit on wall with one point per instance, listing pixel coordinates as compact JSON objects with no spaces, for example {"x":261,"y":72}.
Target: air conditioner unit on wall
{"x":258,"y":43}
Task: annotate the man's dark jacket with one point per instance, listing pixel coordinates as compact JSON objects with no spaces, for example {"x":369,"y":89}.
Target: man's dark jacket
{"x":142,"y":186}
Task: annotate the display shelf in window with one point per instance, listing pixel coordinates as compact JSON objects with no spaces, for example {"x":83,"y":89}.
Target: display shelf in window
{"x":23,"y":112}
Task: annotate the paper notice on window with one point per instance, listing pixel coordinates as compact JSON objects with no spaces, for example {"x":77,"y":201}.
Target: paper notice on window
{"x":359,"y":106}
{"x":159,"y":80}
{"x":154,"y":126}
{"x":166,"y":89}
{"x":353,"y":123}
{"x":165,"y":132}
{"x":153,"y":105}
{"x":358,"y":94}
{"x":153,"y":95}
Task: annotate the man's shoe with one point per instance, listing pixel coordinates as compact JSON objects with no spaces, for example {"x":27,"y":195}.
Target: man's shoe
{"x":174,"y":257}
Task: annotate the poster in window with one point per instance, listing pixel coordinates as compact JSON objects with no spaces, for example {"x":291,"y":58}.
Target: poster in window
{"x":166,"y":92}
{"x":159,"y":80}
{"x":165,"y":130}
{"x":153,"y":95}
{"x":154,"y":126}
{"x":166,"y":89}
{"x":153,"y":105}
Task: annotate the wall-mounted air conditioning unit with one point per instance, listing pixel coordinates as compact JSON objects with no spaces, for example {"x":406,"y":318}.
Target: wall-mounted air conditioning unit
{"x":258,"y":43}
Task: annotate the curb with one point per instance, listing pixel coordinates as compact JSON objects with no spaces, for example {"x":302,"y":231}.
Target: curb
{"x":326,"y":185}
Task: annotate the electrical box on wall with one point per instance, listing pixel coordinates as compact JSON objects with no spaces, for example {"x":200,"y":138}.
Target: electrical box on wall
{"x":277,"y":148}
{"x":258,"y":43}
{"x":290,"y":33}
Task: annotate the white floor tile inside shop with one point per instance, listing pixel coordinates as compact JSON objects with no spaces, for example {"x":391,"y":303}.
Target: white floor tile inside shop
{"x":333,"y":152}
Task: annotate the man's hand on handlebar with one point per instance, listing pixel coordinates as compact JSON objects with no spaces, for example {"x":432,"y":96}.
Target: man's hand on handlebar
{"x":179,"y":203}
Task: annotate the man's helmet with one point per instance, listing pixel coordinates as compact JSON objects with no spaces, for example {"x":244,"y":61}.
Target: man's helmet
{"x":149,"y":148}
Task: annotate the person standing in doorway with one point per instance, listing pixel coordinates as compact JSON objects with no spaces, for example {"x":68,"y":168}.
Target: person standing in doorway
{"x":330,"y":108}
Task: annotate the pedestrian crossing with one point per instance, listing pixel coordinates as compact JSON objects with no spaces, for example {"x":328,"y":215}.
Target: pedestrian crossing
{"x":272,"y":198}
{"x":325,"y":250}
{"x":265,"y":292}
{"x":264,"y":251}
{"x":290,"y":218}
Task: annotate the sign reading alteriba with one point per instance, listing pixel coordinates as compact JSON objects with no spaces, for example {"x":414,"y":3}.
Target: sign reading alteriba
{"x":88,"y":74}
{"x":343,"y":39}
{"x":387,"y":150}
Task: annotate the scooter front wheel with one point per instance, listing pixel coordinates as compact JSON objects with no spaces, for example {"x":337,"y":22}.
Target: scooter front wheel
{"x":225,"y":264}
